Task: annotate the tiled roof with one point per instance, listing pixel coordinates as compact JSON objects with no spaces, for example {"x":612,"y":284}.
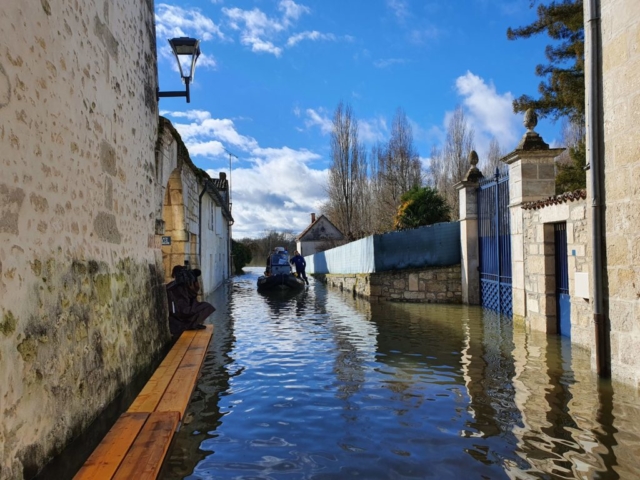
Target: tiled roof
{"x":556,"y":200}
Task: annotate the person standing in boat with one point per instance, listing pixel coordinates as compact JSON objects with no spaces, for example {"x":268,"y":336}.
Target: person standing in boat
{"x":300,"y":264}
{"x":267,"y":270}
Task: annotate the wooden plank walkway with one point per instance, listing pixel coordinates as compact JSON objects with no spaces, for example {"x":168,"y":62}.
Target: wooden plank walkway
{"x":138,"y":442}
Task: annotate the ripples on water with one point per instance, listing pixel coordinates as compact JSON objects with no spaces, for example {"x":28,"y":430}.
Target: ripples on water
{"x":319,"y":385}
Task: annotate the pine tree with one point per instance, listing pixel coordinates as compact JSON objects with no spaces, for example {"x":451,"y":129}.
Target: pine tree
{"x":562,"y":90}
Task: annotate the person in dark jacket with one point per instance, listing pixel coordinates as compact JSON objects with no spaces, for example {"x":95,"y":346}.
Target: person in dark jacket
{"x":185,"y":311}
{"x":300,"y":264}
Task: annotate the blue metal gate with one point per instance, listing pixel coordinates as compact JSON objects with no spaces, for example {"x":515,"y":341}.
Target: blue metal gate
{"x":563,"y":300}
{"x":495,"y":243}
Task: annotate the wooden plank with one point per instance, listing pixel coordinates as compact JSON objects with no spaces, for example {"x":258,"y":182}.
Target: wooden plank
{"x":153,"y":391}
{"x":177,"y":395}
{"x":106,"y":458}
{"x":145,"y":457}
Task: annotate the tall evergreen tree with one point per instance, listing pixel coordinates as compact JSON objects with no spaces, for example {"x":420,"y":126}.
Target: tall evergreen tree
{"x":562,"y":90}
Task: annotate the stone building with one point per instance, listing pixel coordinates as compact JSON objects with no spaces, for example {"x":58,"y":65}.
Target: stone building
{"x":195,"y":212}
{"x":602,"y":230}
{"x":84,"y":204}
{"x":320,"y":235}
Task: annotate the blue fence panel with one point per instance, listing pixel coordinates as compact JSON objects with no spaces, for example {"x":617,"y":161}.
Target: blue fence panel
{"x":354,"y":257}
{"x":434,"y":245}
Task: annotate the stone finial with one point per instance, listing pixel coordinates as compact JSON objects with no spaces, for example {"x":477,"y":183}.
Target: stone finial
{"x":530,"y":119}
{"x":473,"y":158}
{"x":474,"y":174}
{"x":531,"y":140}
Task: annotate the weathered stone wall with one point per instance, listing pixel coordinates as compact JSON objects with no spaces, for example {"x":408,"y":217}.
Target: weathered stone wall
{"x":425,"y":285}
{"x":621,"y":86}
{"x":539,"y":267}
{"x":82,"y":304}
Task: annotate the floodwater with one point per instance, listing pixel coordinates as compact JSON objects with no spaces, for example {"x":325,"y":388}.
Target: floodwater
{"x":320,"y":385}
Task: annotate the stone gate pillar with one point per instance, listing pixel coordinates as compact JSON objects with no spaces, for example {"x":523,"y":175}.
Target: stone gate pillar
{"x":531,"y":178}
{"x":470,"y":262}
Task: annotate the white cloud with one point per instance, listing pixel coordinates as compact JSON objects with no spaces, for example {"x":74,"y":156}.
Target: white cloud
{"x":318,"y":118}
{"x":400,"y":9}
{"x":312,"y":35}
{"x":203,"y":129}
{"x":212,"y":148}
{"x":292,"y":10}
{"x":277,"y":192}
{"x":271,"y":187}
{"x":488,"y":112}
{"x":172,"y":21}
{"x":373,"y":130}
{"x":263,"y":33}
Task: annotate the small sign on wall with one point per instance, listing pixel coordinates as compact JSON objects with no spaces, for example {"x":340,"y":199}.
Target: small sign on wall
{"x":166,"y":240}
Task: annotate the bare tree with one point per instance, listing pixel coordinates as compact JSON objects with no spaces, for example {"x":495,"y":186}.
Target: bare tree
{"x":449,"y":165}
{"x":347,"y":174}
{"x":492,"y":162}
{"x":396,"y":169}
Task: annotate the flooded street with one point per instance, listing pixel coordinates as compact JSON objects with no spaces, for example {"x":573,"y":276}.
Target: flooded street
{"x":319,"y":385}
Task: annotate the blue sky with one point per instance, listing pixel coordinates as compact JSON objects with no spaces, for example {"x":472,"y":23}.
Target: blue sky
{"x":273,"y":71}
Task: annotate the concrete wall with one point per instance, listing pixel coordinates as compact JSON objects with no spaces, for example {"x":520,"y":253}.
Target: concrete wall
{"x":539,"y":266}
{"x":82,"y":303}
{"x":424,"y":285}
{"x":621,"y":85}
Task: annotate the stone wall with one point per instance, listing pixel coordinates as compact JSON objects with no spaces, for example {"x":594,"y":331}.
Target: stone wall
{"x":621,"y":90}
{"x":426,"y":285}
{"x":539,"y":264}
{"x":82,"y":303}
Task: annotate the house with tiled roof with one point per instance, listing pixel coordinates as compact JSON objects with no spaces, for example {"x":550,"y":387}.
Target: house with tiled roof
{"x":320,"y":235}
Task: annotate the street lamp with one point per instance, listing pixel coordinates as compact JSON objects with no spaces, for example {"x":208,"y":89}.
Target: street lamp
{"x":183,"y":47}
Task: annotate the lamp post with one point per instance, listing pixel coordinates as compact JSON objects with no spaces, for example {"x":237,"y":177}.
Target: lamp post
{"x":183,"y":47}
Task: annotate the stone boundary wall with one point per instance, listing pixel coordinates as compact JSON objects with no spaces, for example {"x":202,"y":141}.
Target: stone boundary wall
{"x":539,"y":263}
{"x":83,"y":306}
{"x":419,"y":285}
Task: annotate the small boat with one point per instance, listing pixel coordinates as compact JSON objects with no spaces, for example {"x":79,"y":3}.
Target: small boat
{"x":279,"y":275}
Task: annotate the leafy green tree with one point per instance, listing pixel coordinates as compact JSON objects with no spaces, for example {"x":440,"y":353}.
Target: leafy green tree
{"x":421,"y":206}
{"x":562,"y":90}
{"x":241,"y":255}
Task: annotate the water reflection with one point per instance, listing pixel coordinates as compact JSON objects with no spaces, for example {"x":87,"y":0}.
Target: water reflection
{"x":320,"y":385}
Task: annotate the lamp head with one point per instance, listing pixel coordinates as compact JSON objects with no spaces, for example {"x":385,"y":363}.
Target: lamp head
{"x":186,"y":47}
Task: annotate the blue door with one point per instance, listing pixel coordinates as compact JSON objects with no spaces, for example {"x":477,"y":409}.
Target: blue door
{"x":563,"y":300}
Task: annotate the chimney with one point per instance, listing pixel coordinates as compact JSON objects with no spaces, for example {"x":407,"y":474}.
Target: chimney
{"x":313,"y":217}
{"x":223,"y":176}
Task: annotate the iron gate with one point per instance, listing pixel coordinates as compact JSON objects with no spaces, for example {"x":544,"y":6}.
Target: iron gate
{"x":494,"y":238}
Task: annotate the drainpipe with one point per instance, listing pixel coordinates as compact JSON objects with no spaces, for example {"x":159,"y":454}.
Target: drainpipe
{"x":204,"y":189}
{"x":595,"y":144}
